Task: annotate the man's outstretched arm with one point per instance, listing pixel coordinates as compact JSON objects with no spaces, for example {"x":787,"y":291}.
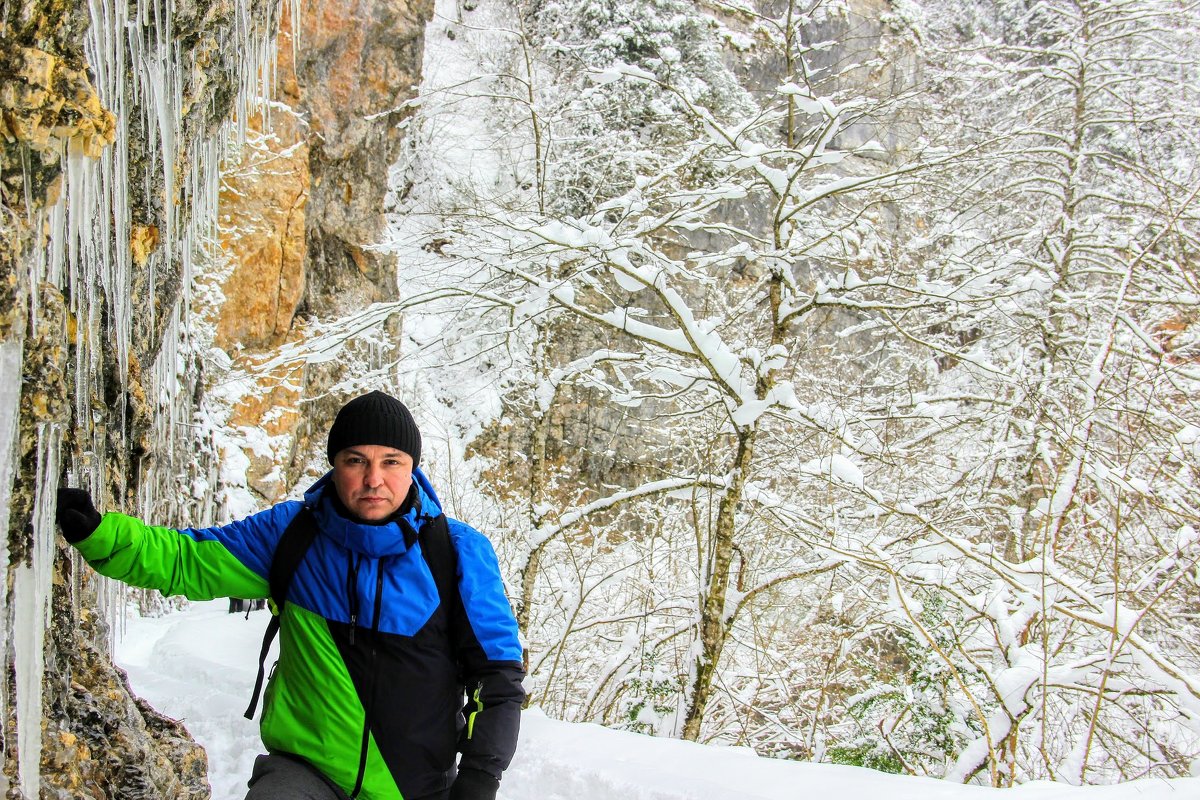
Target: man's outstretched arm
{"x":198,"y":564}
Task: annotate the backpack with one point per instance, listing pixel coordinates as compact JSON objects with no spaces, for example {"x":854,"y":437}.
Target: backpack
{"x":436,"y":547}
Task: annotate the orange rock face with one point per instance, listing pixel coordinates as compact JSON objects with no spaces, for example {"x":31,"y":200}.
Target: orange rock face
{"x":262,"y":233}
{"x":304,"y":204}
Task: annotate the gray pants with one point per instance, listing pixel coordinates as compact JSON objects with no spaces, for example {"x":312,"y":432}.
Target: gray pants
{"x":277,"y":777}
{"x":282,"y":778}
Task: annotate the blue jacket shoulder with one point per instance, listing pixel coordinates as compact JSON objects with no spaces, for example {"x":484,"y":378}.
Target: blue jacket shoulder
{"x":252,"y":539}
{"x":482,"y":589}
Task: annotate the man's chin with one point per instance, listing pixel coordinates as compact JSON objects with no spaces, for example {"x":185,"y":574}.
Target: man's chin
{"x":372,"y":512}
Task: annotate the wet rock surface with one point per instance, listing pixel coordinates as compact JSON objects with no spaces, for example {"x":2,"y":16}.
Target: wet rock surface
{"x":84,"y":413}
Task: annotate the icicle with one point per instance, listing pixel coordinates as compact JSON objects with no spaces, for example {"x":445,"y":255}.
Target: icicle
{"x":294,"y":8}
{"x":103,"y":206}
{"x":28,"y":633}
{"x":139,"y":67}
{"x":10,"y":401}
{"x":31,"y":617}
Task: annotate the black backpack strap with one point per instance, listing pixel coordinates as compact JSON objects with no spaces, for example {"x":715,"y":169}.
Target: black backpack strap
{"x":442,"y":559}
{"x":289,"y":552}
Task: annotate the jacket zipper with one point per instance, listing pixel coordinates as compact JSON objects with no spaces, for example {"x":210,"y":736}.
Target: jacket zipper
{"x":352,"y":565}
{"x":371,"y":672}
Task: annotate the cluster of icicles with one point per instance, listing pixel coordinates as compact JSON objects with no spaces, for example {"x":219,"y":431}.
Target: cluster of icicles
{"x":139,"y":69}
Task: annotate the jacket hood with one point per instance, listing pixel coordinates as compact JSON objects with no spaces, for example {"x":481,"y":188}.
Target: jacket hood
{"x":370,"y":540}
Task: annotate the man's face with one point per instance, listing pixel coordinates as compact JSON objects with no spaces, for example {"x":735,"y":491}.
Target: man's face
{"x":371,"y":480}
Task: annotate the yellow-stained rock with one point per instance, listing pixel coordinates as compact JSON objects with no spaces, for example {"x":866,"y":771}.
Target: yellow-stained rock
{"x":45,"y":102}
{"x":36,"y":98}
{"x":54,"y":191}
{"x":276,"y":204}
{"x":143,"y":241}
{"x":97,"y":743}
{"x":37,"y":66}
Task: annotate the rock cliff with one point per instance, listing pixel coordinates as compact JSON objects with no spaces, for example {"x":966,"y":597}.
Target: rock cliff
{"x":114,"y":119}
{"x":301,"y":216}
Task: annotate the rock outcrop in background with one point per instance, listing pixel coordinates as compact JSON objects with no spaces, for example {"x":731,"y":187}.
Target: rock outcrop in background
{"x":302,"y":213}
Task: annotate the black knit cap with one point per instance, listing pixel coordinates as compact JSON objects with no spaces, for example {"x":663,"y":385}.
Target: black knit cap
{"x":375,"y":418}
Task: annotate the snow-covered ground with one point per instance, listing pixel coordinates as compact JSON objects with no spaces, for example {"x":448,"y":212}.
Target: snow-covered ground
{"x":198,"y":665}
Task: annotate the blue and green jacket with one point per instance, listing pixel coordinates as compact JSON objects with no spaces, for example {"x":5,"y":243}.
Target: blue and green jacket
{"x":369,"y":686}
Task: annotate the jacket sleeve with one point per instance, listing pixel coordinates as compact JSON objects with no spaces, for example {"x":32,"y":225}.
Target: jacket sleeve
{"x":489,"y":653}
{"x":200,"y":564}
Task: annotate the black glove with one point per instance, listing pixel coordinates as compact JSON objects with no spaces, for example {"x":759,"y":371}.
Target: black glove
{"x":76,"y":515}
{"x":471,"y":784}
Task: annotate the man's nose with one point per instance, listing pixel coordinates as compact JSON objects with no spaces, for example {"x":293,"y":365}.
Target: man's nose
{"x":374,"y":475}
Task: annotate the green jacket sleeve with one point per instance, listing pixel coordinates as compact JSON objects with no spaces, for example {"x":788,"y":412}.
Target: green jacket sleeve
{"x":198,"y":565}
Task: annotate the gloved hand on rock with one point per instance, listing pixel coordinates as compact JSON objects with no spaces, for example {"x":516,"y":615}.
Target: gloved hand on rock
{"x":76,"y":515}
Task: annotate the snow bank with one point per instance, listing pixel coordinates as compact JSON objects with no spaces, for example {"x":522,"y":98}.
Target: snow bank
{"x":198,"y":665}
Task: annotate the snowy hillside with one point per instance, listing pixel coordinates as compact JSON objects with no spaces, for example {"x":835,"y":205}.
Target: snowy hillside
{"x":198,"y":665}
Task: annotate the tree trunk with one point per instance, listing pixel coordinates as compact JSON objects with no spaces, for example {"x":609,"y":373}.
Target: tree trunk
{"x":713,"y":631}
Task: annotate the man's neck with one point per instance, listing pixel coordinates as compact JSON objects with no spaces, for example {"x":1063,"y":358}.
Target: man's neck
{"x":404,"y":508}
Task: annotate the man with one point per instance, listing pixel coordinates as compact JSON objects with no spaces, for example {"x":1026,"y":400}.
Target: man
{"x":366,"y":700}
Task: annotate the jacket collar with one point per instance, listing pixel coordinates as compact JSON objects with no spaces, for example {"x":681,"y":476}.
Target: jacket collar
{"x":374,"y":541}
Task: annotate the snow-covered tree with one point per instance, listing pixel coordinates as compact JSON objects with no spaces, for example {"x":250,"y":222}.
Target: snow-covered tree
{"x":722,"y":237}
{"x":848,"y":412}
{"x":1054,"y":525}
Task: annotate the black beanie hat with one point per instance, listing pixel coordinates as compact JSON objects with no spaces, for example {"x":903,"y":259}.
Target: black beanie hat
{"x":375,"y":418}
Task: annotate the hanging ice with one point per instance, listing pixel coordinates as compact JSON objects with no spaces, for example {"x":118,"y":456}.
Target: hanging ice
{"x":10,"y":399}
{"x":138,"y":68}
{"x":31,"y":617}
